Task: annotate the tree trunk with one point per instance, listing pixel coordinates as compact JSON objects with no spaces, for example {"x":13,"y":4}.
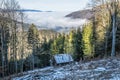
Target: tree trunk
{"x":2,"y":51}
{"x":33,"y":56}
{"x":14,"y":46}
{"x":113,"y":35}
{"x":22,"y":43}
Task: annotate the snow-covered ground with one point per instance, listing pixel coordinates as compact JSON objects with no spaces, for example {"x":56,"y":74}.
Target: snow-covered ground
{"x":105,"y":69}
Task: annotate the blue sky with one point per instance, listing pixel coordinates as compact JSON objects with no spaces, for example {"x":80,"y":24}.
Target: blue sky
{"x":54,"y":5}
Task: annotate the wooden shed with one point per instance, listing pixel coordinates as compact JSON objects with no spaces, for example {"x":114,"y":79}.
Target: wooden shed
{"x":62,"y":58}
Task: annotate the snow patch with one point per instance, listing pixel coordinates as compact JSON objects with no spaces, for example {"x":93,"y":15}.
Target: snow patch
{"x":100,"y":69}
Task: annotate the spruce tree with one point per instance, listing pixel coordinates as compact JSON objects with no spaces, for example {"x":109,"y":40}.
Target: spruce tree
{"x":87,"y":34}
{"x":33,"y":40}
{"x":78,"y":45}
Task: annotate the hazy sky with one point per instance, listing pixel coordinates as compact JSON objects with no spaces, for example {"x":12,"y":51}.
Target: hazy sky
{"x":54,"y":5}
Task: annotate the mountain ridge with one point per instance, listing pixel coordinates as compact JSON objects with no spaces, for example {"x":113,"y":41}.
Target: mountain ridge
{"x":32,"y":10}
{"x":81,"y":14}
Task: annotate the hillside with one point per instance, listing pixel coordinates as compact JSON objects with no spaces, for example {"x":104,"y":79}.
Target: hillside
{"x":82,"y":14}
{"x":105,"y":69}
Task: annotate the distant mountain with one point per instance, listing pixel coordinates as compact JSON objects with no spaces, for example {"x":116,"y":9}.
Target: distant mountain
{"x":59,"y":29}
{"x":24,"y":10}
{"x":31,"y":10}
{"x":83,"y":14}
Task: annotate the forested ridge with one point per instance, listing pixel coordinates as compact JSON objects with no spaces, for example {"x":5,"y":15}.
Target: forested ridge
{"x":23,"y":49}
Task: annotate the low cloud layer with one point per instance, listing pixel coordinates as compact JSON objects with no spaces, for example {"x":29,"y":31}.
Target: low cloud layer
{"x":53,"y":19}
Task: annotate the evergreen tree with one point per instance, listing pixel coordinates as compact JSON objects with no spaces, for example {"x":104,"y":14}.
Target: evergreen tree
{"x":78,"y":45}
{"x":33,"y":34}
{"x":58,"y":45}
{"x":72,"y":41}
{"x":87,"y":34}
{"x":66,"y":44}
{"x":33,"y":40}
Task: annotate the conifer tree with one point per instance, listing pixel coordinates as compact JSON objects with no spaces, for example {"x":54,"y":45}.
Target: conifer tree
{"x":87,"y":34}
{"x":78,"y":45}
{"x":33,"y":40}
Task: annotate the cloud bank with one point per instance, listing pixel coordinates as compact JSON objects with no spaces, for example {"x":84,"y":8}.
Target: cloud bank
{"x":53,"y":19}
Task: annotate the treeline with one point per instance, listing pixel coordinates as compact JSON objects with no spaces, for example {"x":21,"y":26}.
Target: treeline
{"x":22,"y":50}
